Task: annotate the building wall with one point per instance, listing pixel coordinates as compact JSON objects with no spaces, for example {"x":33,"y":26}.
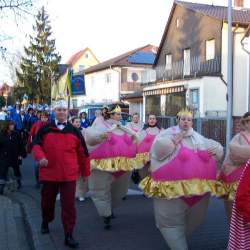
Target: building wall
{"x":240,"y":70}
{"x":209,"y":99}
{"x":192,"y":33}
{"x":214,"y":94}
{"x":98,"y":90}
{"x":87,"y":60}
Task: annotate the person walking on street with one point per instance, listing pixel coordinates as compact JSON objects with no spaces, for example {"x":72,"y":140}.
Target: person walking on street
{"x":84,"y":120}
{"x":11,"y":153}
{"x":182,"y":178}
{"x":235,"y":161}
{"x":34,"y":129}
{"x":82,"y":183}
{"x":135,"y":124}
{"x":61,"y":152}
{"x":113,"y":155}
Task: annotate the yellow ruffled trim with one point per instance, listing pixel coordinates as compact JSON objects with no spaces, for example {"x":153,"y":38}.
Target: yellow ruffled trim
{"x":176,"y":189}
{"x":141,"y":159}
{"x":116,"y":164}
{"x":230,"y":190}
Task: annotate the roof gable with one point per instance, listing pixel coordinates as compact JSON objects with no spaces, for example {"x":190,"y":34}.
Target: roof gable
{"x":123,"y":60}
{"x":74,"y":58}
{"x":216,"y":12}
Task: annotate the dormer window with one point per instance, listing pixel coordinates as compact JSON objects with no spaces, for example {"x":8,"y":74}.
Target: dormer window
{"x":210,"y":49}
{"x":168,"y":62}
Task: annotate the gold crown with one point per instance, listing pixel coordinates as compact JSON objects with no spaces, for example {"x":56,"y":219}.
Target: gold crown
{"x":117,"y":109}
{"x":185,"y":112}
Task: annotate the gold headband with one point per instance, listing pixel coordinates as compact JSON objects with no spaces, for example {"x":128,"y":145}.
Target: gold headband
{"x":117,"y":109}
{"x":185,"y":112}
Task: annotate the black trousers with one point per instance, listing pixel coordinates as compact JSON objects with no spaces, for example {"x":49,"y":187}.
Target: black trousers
{"x":17,"y":171}
{"x":3,"y":171}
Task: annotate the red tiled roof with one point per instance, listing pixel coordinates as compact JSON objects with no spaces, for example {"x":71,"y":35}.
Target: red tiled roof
{"x":73,"y":59}
{"x":121,"y":60}
{"x":239,"y":15}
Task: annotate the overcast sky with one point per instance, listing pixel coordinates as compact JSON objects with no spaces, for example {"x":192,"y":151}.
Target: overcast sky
{"x":107,"y":27}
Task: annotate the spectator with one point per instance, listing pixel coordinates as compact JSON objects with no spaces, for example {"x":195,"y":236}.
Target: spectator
{"x":84,"y":120}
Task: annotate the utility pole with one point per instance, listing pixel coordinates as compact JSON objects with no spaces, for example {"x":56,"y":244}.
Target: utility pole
{"x":229,"y":76}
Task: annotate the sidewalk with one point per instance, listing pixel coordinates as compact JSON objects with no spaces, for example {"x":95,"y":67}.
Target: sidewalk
{"x":12,"y":231}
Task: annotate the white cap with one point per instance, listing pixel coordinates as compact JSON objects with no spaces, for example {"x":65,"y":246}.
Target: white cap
{"x":61,"y":104}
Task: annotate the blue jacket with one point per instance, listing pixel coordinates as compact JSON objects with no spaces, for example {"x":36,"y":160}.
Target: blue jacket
{"x":15,"y":117}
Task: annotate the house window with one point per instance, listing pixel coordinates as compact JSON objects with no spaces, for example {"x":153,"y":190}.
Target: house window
{"x":210,"y":49}
{"x":153,"y":105}
{"x":168,"y":62}
{"x":108,"y":78}
{"x":86,"y":55}
{"x":194,"y":98}
{"x":186,"y":62}
{"x":175,"y":102}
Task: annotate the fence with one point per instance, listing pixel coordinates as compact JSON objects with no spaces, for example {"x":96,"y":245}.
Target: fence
{"x":210,"y":127}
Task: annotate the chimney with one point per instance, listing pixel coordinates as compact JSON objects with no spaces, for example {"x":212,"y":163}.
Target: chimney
{"x":239,"y":3}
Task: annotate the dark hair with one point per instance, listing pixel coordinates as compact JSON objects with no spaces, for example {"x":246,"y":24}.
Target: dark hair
{"x":74,"y":118}
{"x":84,"y":114}
{"x":45,"y":113}
{"x":244,"y":117}
{"x":6,"y":125}
{"x":146,"y":125}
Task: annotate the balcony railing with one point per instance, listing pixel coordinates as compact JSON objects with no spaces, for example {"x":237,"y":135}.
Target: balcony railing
{"x":183,"y":69}
{"x":131,"y":86}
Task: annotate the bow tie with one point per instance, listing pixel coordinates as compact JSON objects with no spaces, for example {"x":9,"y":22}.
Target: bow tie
{"x":62,"y":123}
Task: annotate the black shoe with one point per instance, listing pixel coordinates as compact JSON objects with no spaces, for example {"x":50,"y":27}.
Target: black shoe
{"x":1,"y":189}
{"x":107,"y":222}
{"x":45,"y":228}
{"x":70,"y":241}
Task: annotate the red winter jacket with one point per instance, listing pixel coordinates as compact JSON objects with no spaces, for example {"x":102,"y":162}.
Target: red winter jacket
{"x":243,"y":194}
{"x":65,"y":151}
{"x":33,"y":131}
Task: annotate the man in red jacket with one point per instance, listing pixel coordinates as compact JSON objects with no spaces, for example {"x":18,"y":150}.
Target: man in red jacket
{"x":62,"y":155}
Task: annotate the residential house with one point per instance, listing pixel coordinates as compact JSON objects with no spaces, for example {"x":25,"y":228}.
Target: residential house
{"x":119,"y":79}
{"x":78,"y":62}
{"x":191,"y":63}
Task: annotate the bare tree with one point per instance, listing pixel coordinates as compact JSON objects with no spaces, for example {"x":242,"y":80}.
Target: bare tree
{"x":16,"y":5}
{"x":16,"y":10}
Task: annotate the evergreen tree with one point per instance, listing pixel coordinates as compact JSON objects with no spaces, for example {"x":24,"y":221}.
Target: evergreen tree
{"x":39,"y":65}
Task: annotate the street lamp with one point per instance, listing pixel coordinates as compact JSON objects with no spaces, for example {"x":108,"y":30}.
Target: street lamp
{"x":229,"y":76}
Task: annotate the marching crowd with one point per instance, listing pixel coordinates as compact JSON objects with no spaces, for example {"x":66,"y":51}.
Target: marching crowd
{"x":177,"y":167}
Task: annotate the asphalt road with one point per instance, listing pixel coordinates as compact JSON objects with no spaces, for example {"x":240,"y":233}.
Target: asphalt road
{"x":133,"y":228}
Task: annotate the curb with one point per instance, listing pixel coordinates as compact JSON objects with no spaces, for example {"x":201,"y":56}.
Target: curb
{"x":32,"y":218}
